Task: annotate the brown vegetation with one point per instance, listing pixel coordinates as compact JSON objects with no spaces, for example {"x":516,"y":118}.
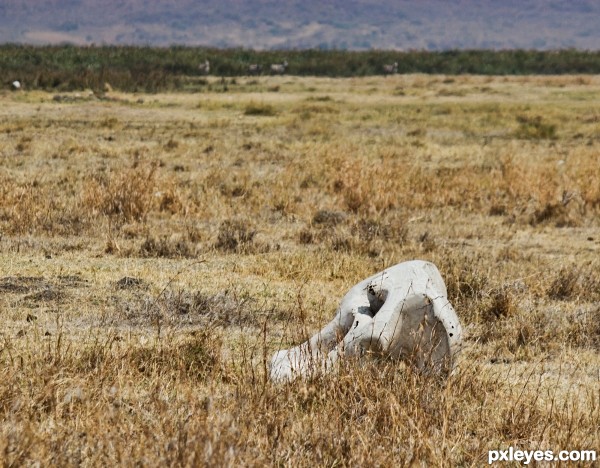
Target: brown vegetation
{"x":156,"y":249}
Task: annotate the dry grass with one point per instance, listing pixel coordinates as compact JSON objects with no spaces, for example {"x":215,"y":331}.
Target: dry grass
{"x":155,"y":250}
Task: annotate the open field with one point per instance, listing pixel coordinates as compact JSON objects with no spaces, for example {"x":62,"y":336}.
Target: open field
{"x":155,"y":249}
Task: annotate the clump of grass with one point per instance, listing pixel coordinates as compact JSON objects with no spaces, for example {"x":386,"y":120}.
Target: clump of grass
{"x":573,"y":282}
{"x":502,"y":305}
{"x":324,"y":98}
{"x":187,"y":308}
{"x":361,"y":236}
{"x":308,"y":110}
{"x":445,"y":92}
{"x":535,"y":128}
{"x":564,"y":213}
{"x":328,"y":217}
{"x":124,"y":196}
{"x":33,"y":207}
{"x":427,"y":242}
{"x":169,"y":200}
{"x":171,"y":145}
{"x":306,"y":236}
{"x":390,"y":228}
{"x":196,"y":358}
{"x":584,"y":328}
{"x":166,"y":247}
{"x":110,"y":122}
{"x":565,"y":284}
{"x":259,"y":109}
{"x":130,"y":282}
{"x":235,"y":236}
{"x":364,"y":189}
{"x":590,"y":282}
{"x":465,"y":277}
{"x":497,"y":209}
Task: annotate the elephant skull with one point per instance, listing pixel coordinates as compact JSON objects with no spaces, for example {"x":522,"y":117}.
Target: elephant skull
{"x":402,"y":312}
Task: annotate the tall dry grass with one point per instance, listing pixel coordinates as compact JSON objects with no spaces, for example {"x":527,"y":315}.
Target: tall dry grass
{"x":156,"y":249}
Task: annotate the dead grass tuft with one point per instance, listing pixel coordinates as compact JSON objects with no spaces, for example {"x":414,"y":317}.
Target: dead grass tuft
{"x":584,"y":329}
{"x":167,"y":247}
{"x":328,"y":218}
{"x":129,"y":282}
{"x":196,"y":358}
{"x":565,"y":284}
{"x":465,"y":278}
{"x":125,"y":196}
{"x":259,"y":109}
{"x":503,"y":305}
{"x":235,"y":236}
{"x":115,"y":353}
{"x":534,"y":128}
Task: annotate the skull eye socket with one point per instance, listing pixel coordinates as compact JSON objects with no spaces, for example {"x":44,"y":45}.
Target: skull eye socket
{"x":377,"y":298}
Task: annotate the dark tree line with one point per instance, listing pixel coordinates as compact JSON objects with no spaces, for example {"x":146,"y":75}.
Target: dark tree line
{"x":154,"y":69}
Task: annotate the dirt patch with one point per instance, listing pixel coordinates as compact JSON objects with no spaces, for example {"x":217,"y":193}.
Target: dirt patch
{"x":71,"y":281}
{"x":21,"y":284}
{"x":50,"y":294}
{"x":182,"y":308}
{"x":37,"y":289}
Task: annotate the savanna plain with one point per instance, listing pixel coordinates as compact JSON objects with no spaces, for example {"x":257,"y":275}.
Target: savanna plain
{"x":156,"y":249}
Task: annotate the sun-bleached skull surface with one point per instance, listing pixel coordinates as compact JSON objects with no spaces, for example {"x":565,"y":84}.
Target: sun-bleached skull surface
{"x":402,"y":312}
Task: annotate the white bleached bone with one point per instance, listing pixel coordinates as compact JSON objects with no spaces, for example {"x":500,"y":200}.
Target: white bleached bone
{"x":402,"y":312}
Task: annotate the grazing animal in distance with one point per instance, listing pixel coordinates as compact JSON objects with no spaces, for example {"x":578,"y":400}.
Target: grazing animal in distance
{"x":279,"y":68}
{"x":15,"y":85}
{"x":390,"y":69}
{"x":254,"y":69}
{"x":204,"y":67}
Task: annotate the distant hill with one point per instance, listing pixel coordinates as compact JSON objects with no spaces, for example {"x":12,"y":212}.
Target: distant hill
{"x":325,"y":24}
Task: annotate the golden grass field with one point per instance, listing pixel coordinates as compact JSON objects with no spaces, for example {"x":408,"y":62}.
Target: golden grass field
{"x":155,"y":250}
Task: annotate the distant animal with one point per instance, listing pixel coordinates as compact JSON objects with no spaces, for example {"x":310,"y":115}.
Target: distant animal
{"x":390,"y":69}
{"x":204,"y":67}
{"x":278,"y":68}
{"x":15,"y":85}
{"x":254,"y":69}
